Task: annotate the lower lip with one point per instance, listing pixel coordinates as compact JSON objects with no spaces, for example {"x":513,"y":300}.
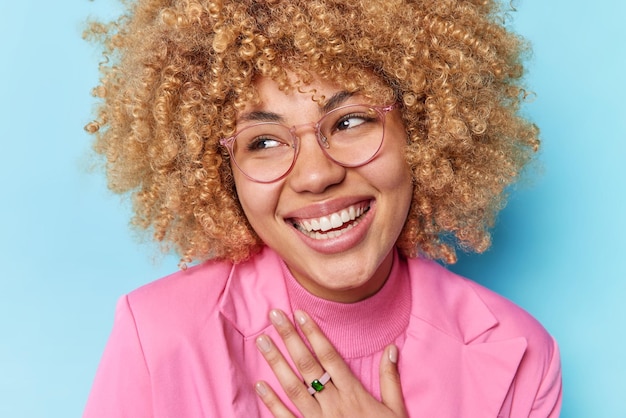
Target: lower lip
{"x":346,"y":240}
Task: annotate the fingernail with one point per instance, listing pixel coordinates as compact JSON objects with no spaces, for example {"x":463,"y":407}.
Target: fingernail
{"x":393,"y":354}
{"x":277,"y":317}
{"x":300,"y":317}
{"x":263,"y":343}
{"x":260,"y":388}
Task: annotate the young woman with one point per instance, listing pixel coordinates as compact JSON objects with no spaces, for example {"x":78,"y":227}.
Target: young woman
{"x":312,"y":158}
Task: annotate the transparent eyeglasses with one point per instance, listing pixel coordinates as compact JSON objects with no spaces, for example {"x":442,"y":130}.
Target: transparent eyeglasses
{"x":349,"y":135}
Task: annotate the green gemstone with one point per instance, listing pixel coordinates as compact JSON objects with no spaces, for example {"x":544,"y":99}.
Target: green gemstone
{"x":317,"y":385}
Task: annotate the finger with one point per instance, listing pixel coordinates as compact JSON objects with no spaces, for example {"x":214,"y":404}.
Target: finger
{"x":390,"y":388}
{"x":330,"y":359}
{"x":272,"y":401}
{"x":304,"y":360}
{"x":293,"y":386}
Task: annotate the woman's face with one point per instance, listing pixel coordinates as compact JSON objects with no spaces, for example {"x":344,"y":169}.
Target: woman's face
{"x":349,"y":263}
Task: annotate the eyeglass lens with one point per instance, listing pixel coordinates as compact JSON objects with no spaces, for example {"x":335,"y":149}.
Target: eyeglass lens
{"x":349,"y":135}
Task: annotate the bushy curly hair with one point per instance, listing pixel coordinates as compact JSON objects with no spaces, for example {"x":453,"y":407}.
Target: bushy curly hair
{"x":177,"y":72}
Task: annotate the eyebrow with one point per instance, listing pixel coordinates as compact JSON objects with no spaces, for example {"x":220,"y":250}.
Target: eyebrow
{"x":336,"y":100}
{"x":260,"y":116}
{"x":264,"y":116}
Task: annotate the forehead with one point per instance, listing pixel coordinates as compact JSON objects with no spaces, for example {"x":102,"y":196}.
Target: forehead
{"x":295,"y":98}
{"x":273,"y":103}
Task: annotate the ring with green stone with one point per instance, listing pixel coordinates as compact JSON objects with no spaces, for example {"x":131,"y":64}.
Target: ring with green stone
{"x":318,"y":384}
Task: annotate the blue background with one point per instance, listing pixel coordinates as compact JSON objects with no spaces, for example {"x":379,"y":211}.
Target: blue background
{"x":67,"y":253}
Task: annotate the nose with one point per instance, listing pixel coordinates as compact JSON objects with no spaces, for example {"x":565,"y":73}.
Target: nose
{"x":313,"y":171}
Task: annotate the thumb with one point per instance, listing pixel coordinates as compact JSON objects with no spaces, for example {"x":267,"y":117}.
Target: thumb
{"x":390,"y":388}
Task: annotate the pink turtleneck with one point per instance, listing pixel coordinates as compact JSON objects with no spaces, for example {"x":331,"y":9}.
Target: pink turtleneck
{"x":360,"y":331}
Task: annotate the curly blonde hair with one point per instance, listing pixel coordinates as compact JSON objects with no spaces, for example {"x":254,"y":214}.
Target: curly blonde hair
{"x":177,"y":72}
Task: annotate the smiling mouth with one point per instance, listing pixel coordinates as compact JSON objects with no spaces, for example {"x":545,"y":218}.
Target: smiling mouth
{"x":333,"y":225}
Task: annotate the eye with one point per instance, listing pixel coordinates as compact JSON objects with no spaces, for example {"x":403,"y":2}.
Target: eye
{"x":352,"y":121}
{"x":263,"y":142}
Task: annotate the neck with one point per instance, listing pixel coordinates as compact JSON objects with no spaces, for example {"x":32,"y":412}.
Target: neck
{"x":354,"y":294}
{"x":366,"y":326}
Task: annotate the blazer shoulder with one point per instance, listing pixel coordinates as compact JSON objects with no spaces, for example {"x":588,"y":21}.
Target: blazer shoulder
{"x":205,"y":277}
{"x":180,"y":300}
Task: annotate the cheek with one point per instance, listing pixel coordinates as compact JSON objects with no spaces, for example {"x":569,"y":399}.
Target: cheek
{"x":399,"y":184}
{"x":257,"y":200}
{"x":394,"y":165}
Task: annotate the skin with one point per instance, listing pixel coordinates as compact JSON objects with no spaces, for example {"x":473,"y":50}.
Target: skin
{"x":347,"y":268}
{"x":356,"y":264}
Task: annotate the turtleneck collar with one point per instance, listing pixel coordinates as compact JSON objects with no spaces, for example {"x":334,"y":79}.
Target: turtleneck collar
{"x":365,"y":327}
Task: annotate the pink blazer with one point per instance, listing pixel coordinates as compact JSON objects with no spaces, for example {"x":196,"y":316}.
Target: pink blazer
{"x":183,"y":347}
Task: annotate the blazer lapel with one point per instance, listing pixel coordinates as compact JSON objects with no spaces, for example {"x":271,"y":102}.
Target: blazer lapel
{"x":455,"y":369}
{"x":253,"y":288}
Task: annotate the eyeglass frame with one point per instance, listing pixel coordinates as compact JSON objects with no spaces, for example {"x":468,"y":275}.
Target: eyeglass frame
{"x":321,"y":140}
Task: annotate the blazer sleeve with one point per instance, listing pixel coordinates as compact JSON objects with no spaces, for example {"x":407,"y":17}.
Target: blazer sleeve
{"x":122,"y":386}
{"x":549,"y":396}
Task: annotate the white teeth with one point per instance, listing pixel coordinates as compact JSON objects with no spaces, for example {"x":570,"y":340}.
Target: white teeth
{"x":325,"y":224}
{"x":331,"y":234}
{"x":317,"y":228}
